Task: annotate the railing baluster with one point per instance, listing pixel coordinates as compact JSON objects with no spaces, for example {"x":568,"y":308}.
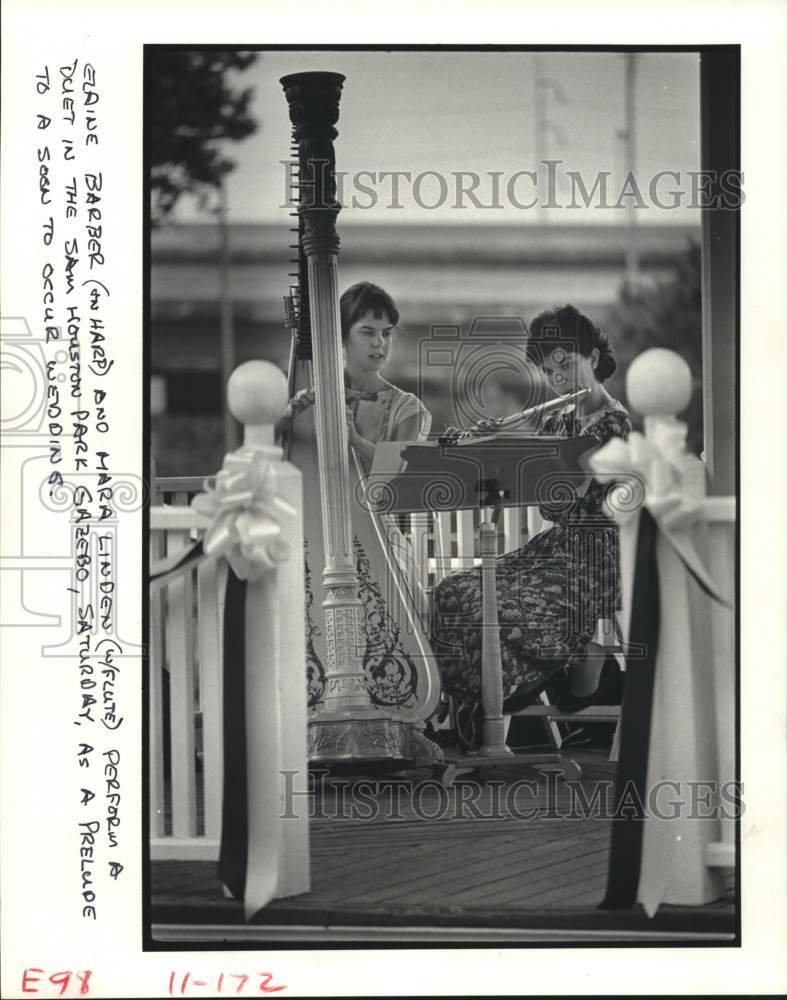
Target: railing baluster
{"x":442,"y":544}
{"x":185,"y":636}
{"x":210,"y":615}
{"x":156,"y":725}
{"x":535,"y":522}
{"x":180,"y":633}
{"x":465,"y":538}
{"x":419,"y":536}
{"x":512,"y":528}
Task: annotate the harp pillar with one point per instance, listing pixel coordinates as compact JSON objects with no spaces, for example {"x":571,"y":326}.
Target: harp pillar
{"x":346,"y":726}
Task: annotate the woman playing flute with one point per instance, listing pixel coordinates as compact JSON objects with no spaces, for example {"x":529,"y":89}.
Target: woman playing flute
{"x":551,"y":592}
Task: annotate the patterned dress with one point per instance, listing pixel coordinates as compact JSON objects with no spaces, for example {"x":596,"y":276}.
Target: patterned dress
{"x":550,"y":593}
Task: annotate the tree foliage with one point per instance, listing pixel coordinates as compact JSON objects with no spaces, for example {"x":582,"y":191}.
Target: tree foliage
{"x":667,"y":314}
{"x":194,"y":106}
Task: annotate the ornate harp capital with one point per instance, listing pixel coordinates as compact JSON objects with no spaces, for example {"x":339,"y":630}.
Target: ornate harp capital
{"x":313,"y":100}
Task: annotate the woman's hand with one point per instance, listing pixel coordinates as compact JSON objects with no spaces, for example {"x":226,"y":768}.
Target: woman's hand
{"x":352,"y":432}
{"x":481,"y":428}
{"x":486,"y":425}
{"x":301,"y":401}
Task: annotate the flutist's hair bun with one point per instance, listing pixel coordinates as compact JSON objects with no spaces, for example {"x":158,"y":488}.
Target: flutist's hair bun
{"x":569,"y":329}
{"x":606,"y":357}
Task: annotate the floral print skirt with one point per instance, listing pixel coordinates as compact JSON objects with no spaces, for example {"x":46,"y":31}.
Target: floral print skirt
{"x":551,"y":594}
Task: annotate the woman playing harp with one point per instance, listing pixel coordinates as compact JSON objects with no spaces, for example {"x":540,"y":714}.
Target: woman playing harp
{"x":552,"y":592}
{"x":400,"y":671}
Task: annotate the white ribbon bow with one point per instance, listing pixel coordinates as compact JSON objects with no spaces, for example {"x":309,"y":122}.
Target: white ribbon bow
{"x":652,"y":474}
{"x":242,"y":515}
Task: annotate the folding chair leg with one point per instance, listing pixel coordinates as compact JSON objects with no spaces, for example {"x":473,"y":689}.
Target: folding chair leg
{"x":552,"y":728}
{"x":615,"y":751}
{"x":506,"y":726}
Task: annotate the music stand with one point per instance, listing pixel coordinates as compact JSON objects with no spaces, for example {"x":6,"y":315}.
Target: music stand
{"x":492,"y":473}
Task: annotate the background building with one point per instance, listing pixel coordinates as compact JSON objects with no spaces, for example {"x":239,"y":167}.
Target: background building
{"x":478,"y":280}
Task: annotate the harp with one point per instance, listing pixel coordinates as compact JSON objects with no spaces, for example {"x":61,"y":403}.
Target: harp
{"x":371,"y":677}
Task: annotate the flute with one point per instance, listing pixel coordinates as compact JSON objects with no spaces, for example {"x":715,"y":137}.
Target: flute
{"x":493,"y":427}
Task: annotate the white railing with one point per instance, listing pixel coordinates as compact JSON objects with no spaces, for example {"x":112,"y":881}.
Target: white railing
{"x":185,"y":696}
{"x":450,"y":538}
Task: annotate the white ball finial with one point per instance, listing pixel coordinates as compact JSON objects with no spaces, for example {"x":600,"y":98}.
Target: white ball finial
{"x":257,"y":395}
{"x":658,"y":383}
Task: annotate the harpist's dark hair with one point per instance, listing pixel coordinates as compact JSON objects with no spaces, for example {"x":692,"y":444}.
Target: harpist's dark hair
{"x":362,"y":298}
{"x":570,"y":330}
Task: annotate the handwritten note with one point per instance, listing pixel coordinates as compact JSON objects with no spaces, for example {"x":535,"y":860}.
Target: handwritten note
{"x":76,"y":317}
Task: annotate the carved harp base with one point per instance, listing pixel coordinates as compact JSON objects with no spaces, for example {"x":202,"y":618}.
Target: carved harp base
{"x":374,"y":738}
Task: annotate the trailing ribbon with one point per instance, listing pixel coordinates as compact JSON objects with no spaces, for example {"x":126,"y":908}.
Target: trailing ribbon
{"x":166,"y":570}
{"x":241,"y":515}
{"x":671,"y":503}
{"x":234,"y":846}
{"x":625,"y":849}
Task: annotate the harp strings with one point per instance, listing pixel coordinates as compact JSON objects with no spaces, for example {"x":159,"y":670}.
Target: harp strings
{"x":296,"y":302}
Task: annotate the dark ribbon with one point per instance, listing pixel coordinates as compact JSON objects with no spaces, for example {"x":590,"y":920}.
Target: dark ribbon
{"x":625,"y":855}
{"x":175,"y":567}
{"x":234,"y":850}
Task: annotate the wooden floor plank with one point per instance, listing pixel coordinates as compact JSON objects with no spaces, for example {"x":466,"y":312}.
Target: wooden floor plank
{"x":562,"y":871}
{"x":432,"y":877}
{"x":438,"y":882}
{"x":565,"y":873}
{"x":478,"y":885}
{"x":558,"y":893}
{"x":394,"y":861}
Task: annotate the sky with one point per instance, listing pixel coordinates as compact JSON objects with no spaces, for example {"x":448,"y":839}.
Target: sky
{"x":476,"y":111}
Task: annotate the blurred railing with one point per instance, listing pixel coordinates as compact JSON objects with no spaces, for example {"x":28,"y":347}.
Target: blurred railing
{"x":185,"y":690}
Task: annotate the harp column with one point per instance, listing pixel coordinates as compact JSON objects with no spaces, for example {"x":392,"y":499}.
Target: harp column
{"x":346,"y":726}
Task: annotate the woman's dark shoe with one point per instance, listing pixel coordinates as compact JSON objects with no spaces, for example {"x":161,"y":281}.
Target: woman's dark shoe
{"x":606,"y":693}
{"x":552,"y":673}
